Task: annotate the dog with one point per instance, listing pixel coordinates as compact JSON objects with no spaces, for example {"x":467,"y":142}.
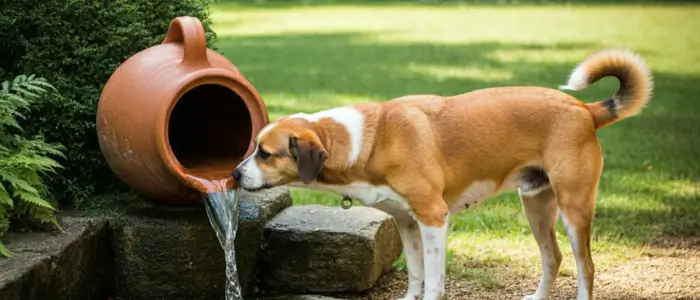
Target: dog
{"x":422,"y":158}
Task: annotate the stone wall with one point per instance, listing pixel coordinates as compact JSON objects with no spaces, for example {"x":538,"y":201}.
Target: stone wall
{"x":147,"y":251}
{"x":72,"y":265}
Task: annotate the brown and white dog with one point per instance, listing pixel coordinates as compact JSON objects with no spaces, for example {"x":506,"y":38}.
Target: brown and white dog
{"x":421,"y":158}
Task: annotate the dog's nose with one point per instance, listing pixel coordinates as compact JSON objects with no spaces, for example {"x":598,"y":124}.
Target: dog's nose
{"x":236,"y":174}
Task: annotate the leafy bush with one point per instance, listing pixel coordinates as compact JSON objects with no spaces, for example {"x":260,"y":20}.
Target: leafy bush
{"x":76,"y":45}
{"x":22,"y":159}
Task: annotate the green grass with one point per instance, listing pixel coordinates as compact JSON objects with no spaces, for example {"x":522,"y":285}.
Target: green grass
{"x":309,"y":58}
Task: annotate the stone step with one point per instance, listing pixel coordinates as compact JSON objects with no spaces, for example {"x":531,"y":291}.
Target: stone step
{"x":319,"y":249}
{"x":173,"y":252}
{"x":136,"y":251}
{"x":56,"y":265}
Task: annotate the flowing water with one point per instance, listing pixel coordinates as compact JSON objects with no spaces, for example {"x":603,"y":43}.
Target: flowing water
{"x":221,"y":204}
{"x":222,"y":210}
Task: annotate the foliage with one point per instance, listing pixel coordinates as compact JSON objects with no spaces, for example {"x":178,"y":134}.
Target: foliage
{"x":76,"y":45}
{"x":22,"y":159}
{"x":4,"y":226}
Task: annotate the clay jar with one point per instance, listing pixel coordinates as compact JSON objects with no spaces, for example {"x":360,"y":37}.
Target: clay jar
{"x":177,"y":116}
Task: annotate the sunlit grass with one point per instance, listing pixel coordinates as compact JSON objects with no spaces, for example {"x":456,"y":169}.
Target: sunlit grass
{"x":317,"y":57}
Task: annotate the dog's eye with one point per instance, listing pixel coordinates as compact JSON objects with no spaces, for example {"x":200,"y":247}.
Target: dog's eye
{"x":263,"y":154}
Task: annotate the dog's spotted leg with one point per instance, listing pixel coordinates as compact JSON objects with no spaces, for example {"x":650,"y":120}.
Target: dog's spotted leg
{"x":434,"y":237}
{"x":413,"y":250}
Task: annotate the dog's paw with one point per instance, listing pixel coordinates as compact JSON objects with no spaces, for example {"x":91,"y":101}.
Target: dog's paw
{"x":534,"y":297}
{"x":411,"y":295}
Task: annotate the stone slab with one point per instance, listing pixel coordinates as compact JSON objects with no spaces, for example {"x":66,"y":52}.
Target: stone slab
{"x":173,"y":253}
{"x":138,"y":251}
{"x":57,"y":266}
{"x":318,"y":249}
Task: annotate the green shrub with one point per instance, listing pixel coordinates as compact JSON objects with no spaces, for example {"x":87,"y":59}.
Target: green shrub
{"x":22,"y":159}
{"x":4,"y":226}
{"x":76,"y":45}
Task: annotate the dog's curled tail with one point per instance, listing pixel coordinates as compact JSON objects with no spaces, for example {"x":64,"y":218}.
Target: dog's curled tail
{"x":635,"y":89}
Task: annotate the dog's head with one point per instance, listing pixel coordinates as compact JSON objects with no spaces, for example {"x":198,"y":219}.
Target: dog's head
{"x":286,"y":151}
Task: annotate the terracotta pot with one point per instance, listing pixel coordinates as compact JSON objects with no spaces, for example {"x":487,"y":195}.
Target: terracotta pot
{"x":176,"y":112}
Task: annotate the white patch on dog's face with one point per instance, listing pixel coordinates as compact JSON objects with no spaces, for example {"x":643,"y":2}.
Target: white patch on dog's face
{"x":280,"y":168}
{"x":265,"y":130}
{"x":251,"y":176}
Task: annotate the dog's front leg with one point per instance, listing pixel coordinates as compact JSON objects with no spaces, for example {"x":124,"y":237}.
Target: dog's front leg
{"x":413,"y":252}
{"x":434,"y":237}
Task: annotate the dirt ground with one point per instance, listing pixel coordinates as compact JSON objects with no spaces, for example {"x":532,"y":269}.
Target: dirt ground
{"x":673,"y":274}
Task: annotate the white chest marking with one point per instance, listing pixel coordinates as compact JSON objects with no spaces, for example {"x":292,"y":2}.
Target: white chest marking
{"x":476,"y":192}
{"x":380,"y":197}
{"x":352,"y":119}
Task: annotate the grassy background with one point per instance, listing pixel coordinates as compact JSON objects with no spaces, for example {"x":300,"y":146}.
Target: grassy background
{"x":329,"y":53}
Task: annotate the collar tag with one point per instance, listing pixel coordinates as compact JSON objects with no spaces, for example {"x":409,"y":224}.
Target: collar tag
{"x":346,"y":203}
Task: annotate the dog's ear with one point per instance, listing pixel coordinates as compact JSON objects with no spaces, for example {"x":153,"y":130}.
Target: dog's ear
{"x":309,"y":155}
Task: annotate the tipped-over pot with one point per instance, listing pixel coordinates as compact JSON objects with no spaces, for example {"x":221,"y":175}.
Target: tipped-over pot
{"x":177,"y":116}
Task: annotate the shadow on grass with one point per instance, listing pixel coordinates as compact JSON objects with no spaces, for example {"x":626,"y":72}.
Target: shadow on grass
{"x":348,"y":64}
{"x":651,"y":213}
{"x":313,"y":72}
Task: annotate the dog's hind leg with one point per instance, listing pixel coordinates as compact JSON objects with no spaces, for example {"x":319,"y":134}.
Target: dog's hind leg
{"x":542,"y":211}
{"x":576,"y":185}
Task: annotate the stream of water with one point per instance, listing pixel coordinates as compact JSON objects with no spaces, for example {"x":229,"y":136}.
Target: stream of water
{"x":222,"y":210}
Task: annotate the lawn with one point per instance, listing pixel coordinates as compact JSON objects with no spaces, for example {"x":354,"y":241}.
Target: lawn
{"x":309,"y":58}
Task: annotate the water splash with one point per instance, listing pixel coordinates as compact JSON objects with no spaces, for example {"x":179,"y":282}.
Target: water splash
{"x":222,"y":210}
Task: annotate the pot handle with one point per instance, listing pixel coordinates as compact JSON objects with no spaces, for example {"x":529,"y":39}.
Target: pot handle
{"x":190,"y":32}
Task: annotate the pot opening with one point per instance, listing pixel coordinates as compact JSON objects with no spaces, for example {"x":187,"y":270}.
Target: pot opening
{"x":209,"y":131}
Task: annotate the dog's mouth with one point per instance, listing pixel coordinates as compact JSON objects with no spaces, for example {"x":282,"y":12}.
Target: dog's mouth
{"x":257,"y":189}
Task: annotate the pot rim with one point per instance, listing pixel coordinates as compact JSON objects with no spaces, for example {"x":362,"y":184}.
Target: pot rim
{"x":222,"y":77}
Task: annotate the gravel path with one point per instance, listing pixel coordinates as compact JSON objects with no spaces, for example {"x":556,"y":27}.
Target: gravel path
{"x":674,"y":274}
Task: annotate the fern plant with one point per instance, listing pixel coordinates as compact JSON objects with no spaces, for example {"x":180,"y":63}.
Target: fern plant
{"x":23,"y":160}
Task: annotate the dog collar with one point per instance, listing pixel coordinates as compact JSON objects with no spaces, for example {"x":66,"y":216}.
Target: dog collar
{"x":346,"y":203}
